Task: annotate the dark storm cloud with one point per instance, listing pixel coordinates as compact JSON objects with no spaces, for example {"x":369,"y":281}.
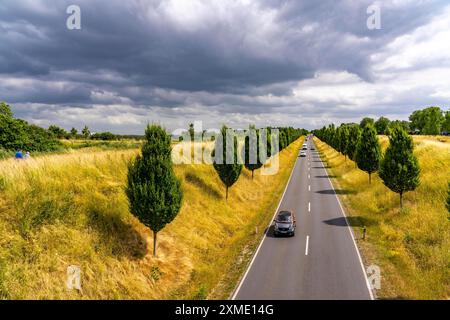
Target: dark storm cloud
{"x":222,"y":55}
{"x":149,"y":52}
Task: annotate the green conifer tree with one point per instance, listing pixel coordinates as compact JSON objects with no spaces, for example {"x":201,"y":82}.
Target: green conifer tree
{"x":399,"y":168}
{"x":153,"y":190}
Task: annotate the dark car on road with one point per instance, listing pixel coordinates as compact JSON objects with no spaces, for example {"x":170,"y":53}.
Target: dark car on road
{"x":284,"y":223}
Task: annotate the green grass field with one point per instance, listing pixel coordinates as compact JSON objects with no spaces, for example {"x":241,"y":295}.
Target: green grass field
{"x":412,"y":246}
{"x":71,"y":209}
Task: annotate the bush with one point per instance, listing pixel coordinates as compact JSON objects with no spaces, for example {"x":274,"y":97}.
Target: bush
{"x":104,"y":136}
{"x":17,"y":134}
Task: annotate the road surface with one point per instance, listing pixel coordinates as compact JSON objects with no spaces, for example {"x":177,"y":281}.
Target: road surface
{"x":321,"y":261}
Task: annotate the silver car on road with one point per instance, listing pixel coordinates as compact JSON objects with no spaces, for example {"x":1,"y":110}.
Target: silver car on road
{"x":285,"y":223}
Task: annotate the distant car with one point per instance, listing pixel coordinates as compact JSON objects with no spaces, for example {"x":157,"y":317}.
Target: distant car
{"x":305,"y":148}
{"x":285,"y":223}
{"x":302,"y":153}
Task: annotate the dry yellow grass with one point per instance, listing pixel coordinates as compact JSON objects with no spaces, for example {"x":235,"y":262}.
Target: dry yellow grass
{"x":412,"y":247}
{"x":70,"y":209}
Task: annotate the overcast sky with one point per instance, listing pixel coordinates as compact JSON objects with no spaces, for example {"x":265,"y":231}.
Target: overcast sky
{"x":263,"y":62}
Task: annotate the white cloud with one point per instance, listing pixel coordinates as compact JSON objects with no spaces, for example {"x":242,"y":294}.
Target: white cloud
{"x":428,"y":45}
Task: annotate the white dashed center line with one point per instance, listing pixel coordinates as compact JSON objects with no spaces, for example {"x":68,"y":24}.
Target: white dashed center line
{"x":307,"y":244}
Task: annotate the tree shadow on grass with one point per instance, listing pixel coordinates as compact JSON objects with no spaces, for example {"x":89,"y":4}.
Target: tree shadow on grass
{"x":122,"y":238}
{"x":337,"y":191}
{"x":356,"y":221}
{"x":200,"y":183}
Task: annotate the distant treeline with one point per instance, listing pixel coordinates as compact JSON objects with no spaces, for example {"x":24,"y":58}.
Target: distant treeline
{"x":286,"y":134}
{"x":85,"y":133}
{"x":18,"y":134}
{"x":428,"y":121}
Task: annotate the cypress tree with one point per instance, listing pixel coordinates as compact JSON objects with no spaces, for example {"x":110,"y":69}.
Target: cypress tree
{"x":268,"y":142}
{"x":368,"y":152}
{"x":343,"y":140}
{"x":399,"y":168}
{"x":282,"y":142}
{"x":382,"y":124}
{"x":228,"y":172}
{"x":256,"y":163}
{"x":353,"y":138}
{"x":154,"y":192}
{"x":337,"y":142}
{"x":365,"y":121}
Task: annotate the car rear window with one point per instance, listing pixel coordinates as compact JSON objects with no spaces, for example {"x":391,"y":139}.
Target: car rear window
{"x":284,"y":216}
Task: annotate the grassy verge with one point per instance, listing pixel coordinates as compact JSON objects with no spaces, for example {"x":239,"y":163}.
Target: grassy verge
{"x":412,"y":246}
{"x":70,"y":209}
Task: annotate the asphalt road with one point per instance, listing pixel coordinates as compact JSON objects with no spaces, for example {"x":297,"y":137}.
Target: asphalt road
{"x":321,"y":261}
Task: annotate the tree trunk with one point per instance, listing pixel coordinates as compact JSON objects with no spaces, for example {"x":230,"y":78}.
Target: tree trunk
{"x":370,"y":178}
{"x":252,"y":173}
{"x":154,"y":243}
{"x":226,"y":197}
{"x":401,"y":200}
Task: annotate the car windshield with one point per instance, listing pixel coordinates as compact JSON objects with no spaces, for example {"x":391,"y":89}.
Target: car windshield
{"x":284,"y":216}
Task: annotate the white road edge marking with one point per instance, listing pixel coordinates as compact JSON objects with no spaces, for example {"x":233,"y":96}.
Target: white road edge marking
{"x":351,"y":234}
{"x":265,"y":235}
{"x":309,"y":176}
{"x":309,"y":187}
{"x":307,"y":245}
{"x":309,"y":206}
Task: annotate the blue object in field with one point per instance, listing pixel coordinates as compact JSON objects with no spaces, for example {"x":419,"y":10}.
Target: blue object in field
{"x":19,"y":155}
